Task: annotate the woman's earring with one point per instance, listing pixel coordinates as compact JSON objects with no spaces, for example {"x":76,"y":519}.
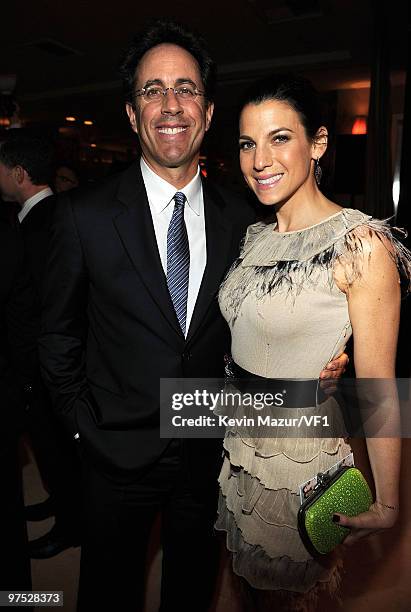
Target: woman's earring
{"x":317,"y":170}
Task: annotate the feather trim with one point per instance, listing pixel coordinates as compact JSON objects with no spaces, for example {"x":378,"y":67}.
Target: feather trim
{"x":271,"y":262}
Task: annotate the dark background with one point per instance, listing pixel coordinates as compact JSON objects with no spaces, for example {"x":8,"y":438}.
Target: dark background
{"x":64,"y":57}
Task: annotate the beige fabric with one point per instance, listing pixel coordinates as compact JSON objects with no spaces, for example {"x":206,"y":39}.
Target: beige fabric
{"x":288,"y":319}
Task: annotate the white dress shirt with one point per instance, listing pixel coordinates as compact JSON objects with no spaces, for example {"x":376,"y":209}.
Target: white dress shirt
{"x":160,"y":195}
{"x":28,"y":204}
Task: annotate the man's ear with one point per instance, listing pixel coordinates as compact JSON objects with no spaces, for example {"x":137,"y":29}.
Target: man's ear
{"x":19,"y":174}
{"x":130,"y":110}
{"x":320,"y":143}
{"x":209,"y":114}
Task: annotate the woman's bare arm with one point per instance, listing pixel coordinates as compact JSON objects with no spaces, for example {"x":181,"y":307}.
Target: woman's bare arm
{"x":374,"y":308}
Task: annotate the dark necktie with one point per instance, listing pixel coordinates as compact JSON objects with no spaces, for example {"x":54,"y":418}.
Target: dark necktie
{"x":178,"y":260}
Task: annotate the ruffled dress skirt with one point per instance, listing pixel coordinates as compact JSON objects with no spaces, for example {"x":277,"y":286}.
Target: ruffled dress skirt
{"x":258,"y":506}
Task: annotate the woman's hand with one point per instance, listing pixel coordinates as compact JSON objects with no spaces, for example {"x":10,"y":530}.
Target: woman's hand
{"x":378,"y":518}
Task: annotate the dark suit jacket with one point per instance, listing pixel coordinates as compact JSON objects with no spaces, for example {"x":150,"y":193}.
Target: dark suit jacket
{"x":18,"y":332}
{"x":109,"y":330}
{"x":35,"y":230}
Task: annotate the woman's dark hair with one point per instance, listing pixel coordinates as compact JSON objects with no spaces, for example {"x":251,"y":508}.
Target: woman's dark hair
{"x":160,"y":32}
{"x":295,"y":91}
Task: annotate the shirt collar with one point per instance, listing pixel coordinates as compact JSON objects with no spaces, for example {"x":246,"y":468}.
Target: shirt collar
{"x":35,"y":199}
{"x":160,"y":193}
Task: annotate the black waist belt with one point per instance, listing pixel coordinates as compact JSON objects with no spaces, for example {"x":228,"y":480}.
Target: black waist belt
{"x":293,"y":393}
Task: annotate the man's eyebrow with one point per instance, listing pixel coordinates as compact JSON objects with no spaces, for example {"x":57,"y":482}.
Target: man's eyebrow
{"x":153,"y":82}
{"x":179,"y":81}
{"x":185,"y":80}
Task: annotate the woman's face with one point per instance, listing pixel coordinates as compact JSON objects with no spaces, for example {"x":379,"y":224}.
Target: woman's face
{"x":275,"y":153}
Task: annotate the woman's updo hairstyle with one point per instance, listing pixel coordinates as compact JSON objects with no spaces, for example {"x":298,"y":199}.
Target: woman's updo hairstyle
{"x":295,"y":91}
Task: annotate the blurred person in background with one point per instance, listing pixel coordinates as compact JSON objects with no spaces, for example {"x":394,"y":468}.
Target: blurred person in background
{"x":67,"y":177}
{"x":18,"y":374}
{"x":26,"y":172}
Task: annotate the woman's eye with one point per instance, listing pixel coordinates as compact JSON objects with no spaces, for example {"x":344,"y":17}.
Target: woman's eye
{"x":281,"y":138}
{"x":245,"y":146}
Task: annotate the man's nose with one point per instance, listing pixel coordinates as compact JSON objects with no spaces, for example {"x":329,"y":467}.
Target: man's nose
{"x":170,"y":102}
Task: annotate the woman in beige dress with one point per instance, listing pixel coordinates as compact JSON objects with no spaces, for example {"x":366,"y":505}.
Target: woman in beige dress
{"x":299,"y":289}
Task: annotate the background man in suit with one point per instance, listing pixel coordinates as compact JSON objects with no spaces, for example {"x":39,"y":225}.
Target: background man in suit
{"x":121,"y":313}
{"x":26,"y":169}
{"x":18,"y":364}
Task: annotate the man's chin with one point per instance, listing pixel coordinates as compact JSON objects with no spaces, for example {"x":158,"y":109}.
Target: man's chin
{"x":177,"y":161}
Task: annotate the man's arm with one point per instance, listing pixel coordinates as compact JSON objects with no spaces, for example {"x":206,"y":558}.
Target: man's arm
{"x":21,"y":328}
{"x":22,"y":324}
{"x":64,"y":315}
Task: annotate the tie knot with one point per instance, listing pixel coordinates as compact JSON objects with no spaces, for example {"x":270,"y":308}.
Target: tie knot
{"x":179,"y":199}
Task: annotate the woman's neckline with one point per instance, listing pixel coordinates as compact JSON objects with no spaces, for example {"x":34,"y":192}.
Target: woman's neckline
{"x":303,"y":229}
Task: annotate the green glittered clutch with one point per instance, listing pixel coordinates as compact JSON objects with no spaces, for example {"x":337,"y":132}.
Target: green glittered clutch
{"x":347,"y":492}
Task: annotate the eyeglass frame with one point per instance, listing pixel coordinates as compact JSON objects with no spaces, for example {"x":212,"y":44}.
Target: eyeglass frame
{"x":142,"y":91}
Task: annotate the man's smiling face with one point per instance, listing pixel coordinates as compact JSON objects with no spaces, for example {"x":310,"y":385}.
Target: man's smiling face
{"x":170,"y":130}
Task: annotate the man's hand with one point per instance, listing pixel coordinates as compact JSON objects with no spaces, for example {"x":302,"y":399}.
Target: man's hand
{"x":332,"y":372}
{"x":336,"y":368}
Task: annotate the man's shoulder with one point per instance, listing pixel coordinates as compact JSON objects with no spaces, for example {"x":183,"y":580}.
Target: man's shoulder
{"x":98,"y":200}
{"x":40,"y":214}
{"x":235,"y":205}
{"x":94,"y":194}
{"x":227,"y":195}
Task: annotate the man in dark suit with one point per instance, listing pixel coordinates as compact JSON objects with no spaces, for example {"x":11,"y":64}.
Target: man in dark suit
{"x":18,"y":363}
{"x":26,"y":169}
{"x":130,"y":297}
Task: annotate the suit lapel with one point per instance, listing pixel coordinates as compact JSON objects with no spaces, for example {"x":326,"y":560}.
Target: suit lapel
{"x":135,"y":227}
{"x":218,"y":241}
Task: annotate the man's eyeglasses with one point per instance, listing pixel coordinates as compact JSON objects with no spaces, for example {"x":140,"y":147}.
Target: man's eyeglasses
{"x":155,"y":93}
